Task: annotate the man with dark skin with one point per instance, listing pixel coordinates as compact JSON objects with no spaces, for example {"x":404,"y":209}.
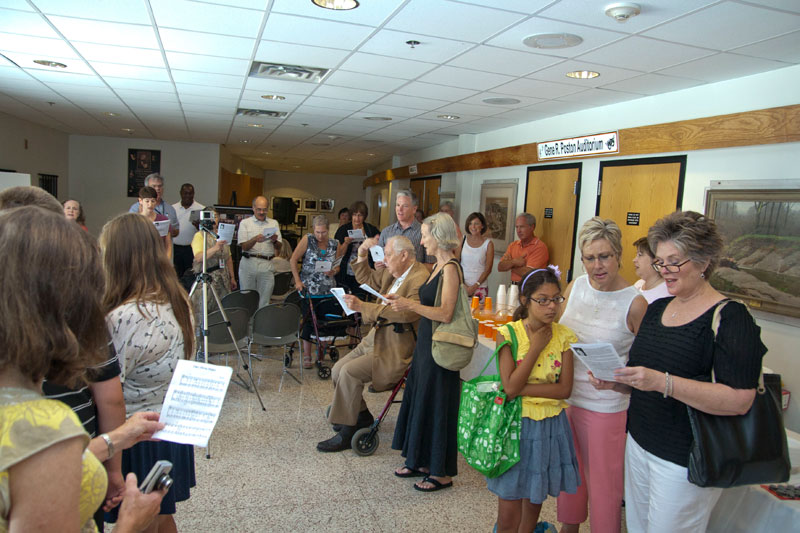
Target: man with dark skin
{"x":187,"y":226}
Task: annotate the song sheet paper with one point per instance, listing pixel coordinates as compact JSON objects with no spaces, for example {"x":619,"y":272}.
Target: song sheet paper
{"x":601,"y":358}
{"x":193,"y":402}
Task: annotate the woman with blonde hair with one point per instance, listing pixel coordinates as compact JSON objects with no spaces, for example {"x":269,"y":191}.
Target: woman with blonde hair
{"x":426,"y":425}
{"x":150,"y":322}
{"x":219,"y":265}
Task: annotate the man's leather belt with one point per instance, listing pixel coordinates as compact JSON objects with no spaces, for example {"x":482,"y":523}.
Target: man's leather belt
{"x":257,"y":256}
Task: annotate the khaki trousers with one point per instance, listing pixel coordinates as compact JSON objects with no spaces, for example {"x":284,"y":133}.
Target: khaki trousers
{"x":349,"y":375}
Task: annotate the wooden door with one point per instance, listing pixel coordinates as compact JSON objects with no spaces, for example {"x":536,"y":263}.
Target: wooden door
{"x":418,"y":188}
{"x":634,"y":194}
{"x":432,"y":186}
{"x":552,"y":197}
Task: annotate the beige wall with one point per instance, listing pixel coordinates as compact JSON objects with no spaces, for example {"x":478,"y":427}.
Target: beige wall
{"x":237,"y":165}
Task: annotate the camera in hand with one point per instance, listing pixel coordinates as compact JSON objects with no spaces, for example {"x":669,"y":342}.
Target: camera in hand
{"x":207,"y":219}
{"x":158,"y":477}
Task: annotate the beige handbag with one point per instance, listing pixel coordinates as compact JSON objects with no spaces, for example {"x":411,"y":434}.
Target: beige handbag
{"x":454,"y":341}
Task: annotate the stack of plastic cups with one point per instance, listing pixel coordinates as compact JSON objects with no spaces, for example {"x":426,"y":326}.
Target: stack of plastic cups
{"x":513,"y":298}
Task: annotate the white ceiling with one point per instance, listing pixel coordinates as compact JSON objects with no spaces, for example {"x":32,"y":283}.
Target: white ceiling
{"x":178,"y":69}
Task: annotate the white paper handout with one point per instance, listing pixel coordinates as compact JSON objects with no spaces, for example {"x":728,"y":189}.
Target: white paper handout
{"x":601,"y":358}
{"x":162,"y":226}
{"x":377,"y":254}
{"x":225,"y":232}
{"x":193,"y":402}
{"x":338,"y":293}
{"x":323,"y":266}
{"x":269,"y":232}
{"x":374,"y":293}
{"x":356,"y":234}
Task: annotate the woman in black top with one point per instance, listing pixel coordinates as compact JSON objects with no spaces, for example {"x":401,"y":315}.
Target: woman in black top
{"x":670,"y":367}
{"x":346,"y":277}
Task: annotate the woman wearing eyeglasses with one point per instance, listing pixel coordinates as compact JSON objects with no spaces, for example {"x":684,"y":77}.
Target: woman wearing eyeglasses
{"x":601,"y":307}
{"x":670,"y":367}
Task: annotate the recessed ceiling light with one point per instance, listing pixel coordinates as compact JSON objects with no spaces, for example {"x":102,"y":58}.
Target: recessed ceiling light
{"x":370,"y":154}
{"x":244,"y":141}
{"x":110,"y":114}
{"x":583,"y":74}
{"x":296,"y":166}
{"x":500,"y":101}
{"x":128,"y":130}
{"x":552,"y":41}
{"x":266,"y":153}
{"x":448,"y":117}
{"x":339,"y":5}
{"x":349,"y":159}
{"x":48,"y":63}
{"x":255,"y":125}
{"x":377,"y":118}
{"x":273,"y":97}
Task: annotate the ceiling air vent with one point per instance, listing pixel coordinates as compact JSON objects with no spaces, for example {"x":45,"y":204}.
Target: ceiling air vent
{"x":276,"y":71}
{"x":260,"y":113}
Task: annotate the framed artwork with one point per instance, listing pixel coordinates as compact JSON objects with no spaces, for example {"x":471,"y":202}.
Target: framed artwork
{"x":141,"y":163}
{"x":301,"y":221}
{"x":326,"y":205}
{"x":760,"y":262}
{"x":499,"y":206}
{"x":298,"y":203}
{"x":309,"y":206}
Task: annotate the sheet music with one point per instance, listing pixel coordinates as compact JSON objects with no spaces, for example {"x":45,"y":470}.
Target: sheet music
{"x":162,"y":226}
{"x":356,"y":234}
{"x":374,"y":293}
{"x":225,"y":232}
{"x":193,"y":402}
{"x":377,"y":254}
{"x":338,"y":293}
{"x":601,"y":358}
{"x":269,"y":232}
{"x":323,"y":266}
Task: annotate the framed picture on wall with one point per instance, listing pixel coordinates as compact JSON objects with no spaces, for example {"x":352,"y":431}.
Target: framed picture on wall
{"x":310,"y":206}
{"x":298,"y":203}
{"x":301,"y":221}
{"x":499,"y":206}
{"x":759,"y":263}
{"x":326,"y":205}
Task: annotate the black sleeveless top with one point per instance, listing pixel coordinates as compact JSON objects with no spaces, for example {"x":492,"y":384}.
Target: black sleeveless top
{"x":661,"y":425}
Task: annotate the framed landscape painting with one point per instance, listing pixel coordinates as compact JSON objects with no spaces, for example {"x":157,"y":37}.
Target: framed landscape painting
{"x":499,"y":206}
{"x":761,"y":256}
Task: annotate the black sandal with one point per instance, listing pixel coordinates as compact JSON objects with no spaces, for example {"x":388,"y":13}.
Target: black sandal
{"x":437,"y":485}
{"x":411,"y":473}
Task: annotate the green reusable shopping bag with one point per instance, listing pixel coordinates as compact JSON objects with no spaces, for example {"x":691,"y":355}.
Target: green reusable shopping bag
{"x":489,"y":424}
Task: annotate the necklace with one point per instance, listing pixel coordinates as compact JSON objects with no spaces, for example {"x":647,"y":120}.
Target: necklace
{"x":684,"y":301}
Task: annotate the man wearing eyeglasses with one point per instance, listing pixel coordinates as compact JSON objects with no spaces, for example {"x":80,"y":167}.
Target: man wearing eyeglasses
{"x":260,"y":239}
{"x":526,"y":254}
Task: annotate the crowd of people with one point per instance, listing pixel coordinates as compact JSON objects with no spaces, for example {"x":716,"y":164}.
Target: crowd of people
{"x":104,"y":329}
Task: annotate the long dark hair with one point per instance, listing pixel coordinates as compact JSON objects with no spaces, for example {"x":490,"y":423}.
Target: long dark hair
{"x":530,"y":284}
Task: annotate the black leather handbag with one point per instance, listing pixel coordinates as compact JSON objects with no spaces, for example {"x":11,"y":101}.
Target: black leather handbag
{"x":729,"y":451}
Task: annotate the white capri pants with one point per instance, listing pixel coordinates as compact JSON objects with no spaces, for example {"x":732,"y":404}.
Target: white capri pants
{"x":659,"y":497}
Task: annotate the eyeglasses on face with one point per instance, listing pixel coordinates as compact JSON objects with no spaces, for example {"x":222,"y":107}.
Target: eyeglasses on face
{"x":672,"y":269}
{"x":546,"y":301}
{"x":603,"y":258}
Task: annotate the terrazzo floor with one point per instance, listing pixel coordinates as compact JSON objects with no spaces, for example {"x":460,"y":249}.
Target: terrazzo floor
{"x":266,"y":475}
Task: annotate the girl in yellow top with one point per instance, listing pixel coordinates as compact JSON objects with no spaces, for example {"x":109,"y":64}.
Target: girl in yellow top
{"x":542,"y":375}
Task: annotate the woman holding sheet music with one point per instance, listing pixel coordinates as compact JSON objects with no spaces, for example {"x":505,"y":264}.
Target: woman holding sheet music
{"x":150,"y":323}
{"x":348,"y":248}
{"x":219,"y":265}
{"x":601,"y":306}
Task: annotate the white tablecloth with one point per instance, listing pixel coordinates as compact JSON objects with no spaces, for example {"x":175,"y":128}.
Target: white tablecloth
{"x":483,"y":351}
{"x":751,"y":508}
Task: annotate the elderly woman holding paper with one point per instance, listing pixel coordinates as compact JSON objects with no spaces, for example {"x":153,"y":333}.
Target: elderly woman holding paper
{"x":151,"y":328}
{"x":317,"y":252}
{"x":350,"y":237}
{"x":219,"y":265}
{"x":601,"y":307}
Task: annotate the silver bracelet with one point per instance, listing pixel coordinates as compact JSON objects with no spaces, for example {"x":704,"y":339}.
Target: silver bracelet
{"x":666,"y":384}
{"x":109,"y":445}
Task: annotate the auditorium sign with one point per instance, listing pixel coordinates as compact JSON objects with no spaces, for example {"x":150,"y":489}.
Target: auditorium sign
{"x":602,"y":143}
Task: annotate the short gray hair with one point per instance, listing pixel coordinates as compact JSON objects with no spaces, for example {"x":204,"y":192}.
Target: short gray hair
{"x":410,"y":194}
{"x":692,"y":233}
{"x":320,"y":220}
{"x":401,"y":243}
{"x":153,"y":176}
{"x":443,"y":229}
{"x":601,"y":228}
{"x":447,"y":203}
{"x":530,"y":219}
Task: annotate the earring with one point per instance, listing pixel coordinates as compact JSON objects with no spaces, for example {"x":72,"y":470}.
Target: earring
{"x":703,"y":275}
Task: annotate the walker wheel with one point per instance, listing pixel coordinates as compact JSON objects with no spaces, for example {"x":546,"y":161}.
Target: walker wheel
{"x":334,"y":354}
{"x":324,"y":372}
{"x":287,"y":360}
{"x":364,"y":444}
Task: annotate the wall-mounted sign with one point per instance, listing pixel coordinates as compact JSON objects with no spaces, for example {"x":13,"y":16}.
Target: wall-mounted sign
{"x":633,"y":219}
{"x":548,"y":212}
{"x":412,"y":169}
{"x":602,"y":143}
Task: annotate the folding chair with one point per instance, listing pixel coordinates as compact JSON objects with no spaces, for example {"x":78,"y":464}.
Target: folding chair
{"x":244,"y":299}
{"x":278,"y":325}
{"x":219,"y":340}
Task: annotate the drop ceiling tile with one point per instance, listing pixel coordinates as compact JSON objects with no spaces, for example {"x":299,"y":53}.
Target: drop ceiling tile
{"x":344,"y":93}
{"x":785,"y":48}
{"x":312,"y":121}
{"x":208,"y":18}
{"x":206,"y":43}
{"x":25,"y":23}
{"x":431,"y":49}
{"x":74,"y":66}
{"x":386,"y":66}
{"x":368,"y":13}
{"x":139,"y":85}
{"x":223,"y":112}
{"x":200,"y":63}
{"x":141,"y":98}
{"x":109,"y":10}
{"x":19,"y":5}
{"x":451,"y":20}
{"x":651,"y":84}
{"x":391,"y":111}
{"x":425,"y":104}
{"x":207,"y":100}
{"x":558,"y":74}
{"x":299,"y":54}
{"x":204,"y":90}
{"x":369,"y":82}
{"x":727,"y":25}
{"x":478,"y":99}
{"x":503,"y":61}
{"x":527,"y":7}
{"x":69,"y":90}
{"x":600,"y":97}
{"x":644,"y":54}
{"x":122,"y":55}
{"x":461,"y":77}
{"x":321,"y":103}
{"x":592,"y":37}
{"x":421,"y":125}
{"x":463,"y":109}
{"x":130,"y":71}
{"x":463,"y":118}
{"x":208,"y":79}
{"x":722,"y":67}
{"x":786,"y":5}
{"x":95,"y":31}
{"x":52,"y":76}
{"x":537,"y":88}
{"x":43,"y":47}
{"x":430,"y":90}
{"x":551,"y":108}
{"x":280,"y":87}
{"x":315,"y":32}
